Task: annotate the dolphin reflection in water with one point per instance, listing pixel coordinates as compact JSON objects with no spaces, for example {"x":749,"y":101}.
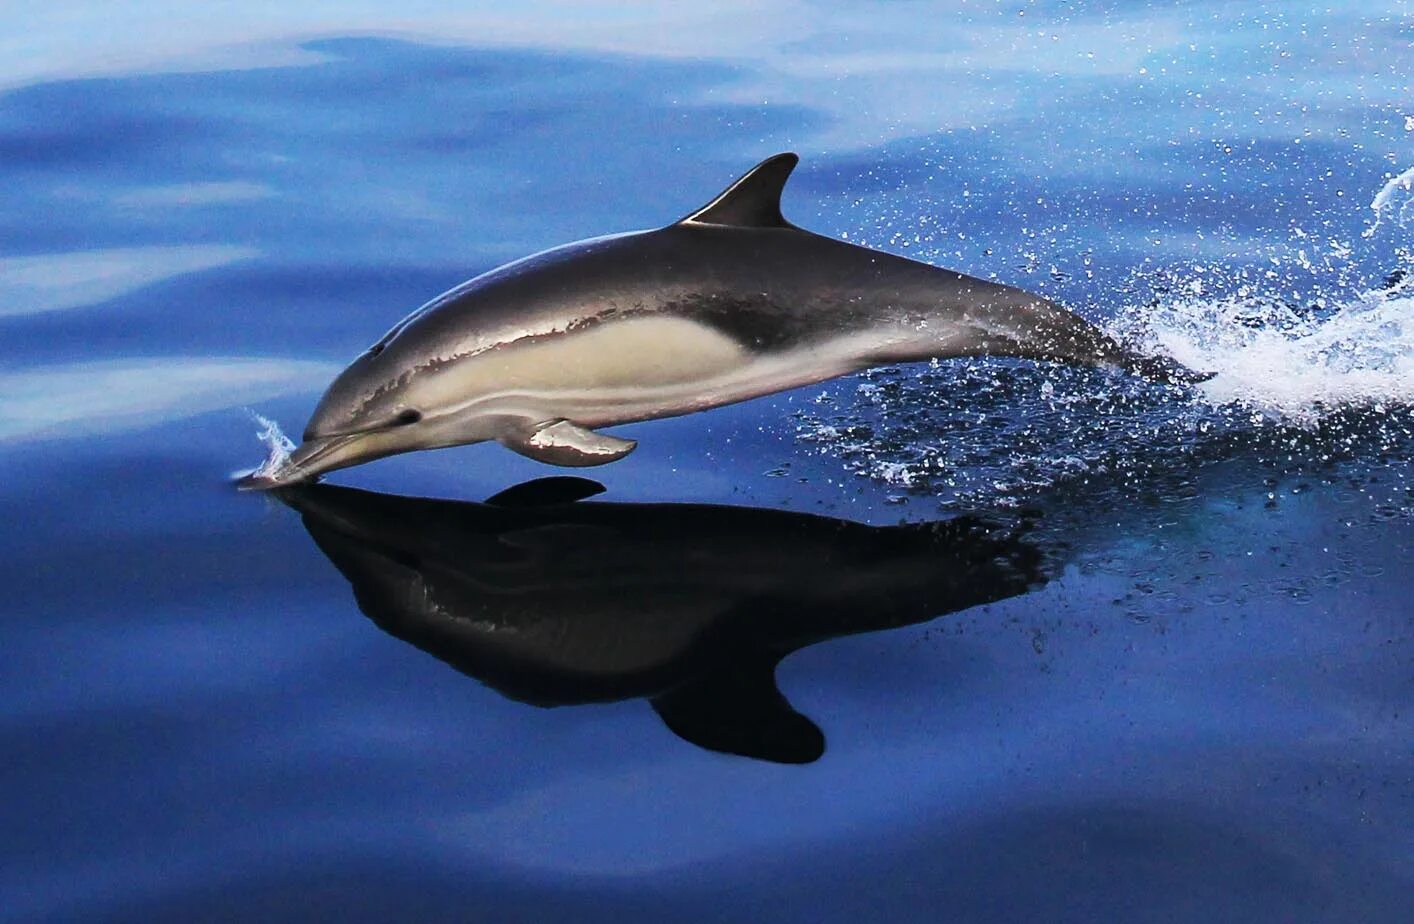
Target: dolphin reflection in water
{"x":553,"y":601}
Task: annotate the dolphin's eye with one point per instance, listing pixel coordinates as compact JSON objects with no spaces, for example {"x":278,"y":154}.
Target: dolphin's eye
{"x":375,"y":349}
{"x":409,"y":416}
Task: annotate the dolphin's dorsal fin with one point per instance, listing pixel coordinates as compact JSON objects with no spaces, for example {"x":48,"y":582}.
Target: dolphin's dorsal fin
{"x":754,"y":201}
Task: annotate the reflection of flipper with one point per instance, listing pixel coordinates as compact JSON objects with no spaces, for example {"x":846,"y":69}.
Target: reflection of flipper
{"x":546,"y":492}
{"x":563,"y":442}
{"x":736,"y":709}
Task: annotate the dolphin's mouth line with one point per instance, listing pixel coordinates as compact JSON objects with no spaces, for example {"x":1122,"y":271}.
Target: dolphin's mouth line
{"x":322,"y":449}
{"x":320,"y":454}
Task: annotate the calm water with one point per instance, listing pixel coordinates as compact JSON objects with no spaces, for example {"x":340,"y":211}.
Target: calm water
{"x":1174,"y":677}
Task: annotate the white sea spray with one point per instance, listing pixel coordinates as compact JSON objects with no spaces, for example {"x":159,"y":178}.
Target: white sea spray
{"x":278,"y":447}
{"x":1394,"y":200}
{"x":1289,"y":365}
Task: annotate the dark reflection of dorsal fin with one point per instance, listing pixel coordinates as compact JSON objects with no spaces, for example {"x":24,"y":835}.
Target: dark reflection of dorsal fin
{"x":737,"y":709}
{"x":546,"y":492}
{"x":754,"y":201}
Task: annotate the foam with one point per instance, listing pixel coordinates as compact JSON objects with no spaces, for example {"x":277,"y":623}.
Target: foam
{"x":1296,"y":366}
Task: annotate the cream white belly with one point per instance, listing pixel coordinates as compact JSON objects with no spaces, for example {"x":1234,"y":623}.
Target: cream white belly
{"x":616,"y":372}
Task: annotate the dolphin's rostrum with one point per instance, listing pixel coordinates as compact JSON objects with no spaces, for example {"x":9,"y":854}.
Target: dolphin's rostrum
{"x":691,"y":606}
{"x":730,"y":303}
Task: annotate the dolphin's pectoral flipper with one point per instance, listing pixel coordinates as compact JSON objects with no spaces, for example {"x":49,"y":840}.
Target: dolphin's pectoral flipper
{"x":562,"y":442}
{"x":737,"y":709}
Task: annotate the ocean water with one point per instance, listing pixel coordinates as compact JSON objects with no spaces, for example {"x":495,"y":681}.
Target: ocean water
{"x":968,"y":641}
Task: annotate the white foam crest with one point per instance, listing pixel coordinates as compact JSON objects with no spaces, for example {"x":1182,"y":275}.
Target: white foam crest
{"x":1290,"y":364}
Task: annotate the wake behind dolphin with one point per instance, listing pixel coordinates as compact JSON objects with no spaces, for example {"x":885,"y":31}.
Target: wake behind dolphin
{"x":732,"y":302}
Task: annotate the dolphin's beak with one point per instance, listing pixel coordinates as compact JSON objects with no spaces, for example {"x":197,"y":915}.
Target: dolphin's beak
{"x":313,"y":458}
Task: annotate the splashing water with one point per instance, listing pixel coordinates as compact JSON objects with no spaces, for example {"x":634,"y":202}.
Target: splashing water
{"x":278,"y":447}
{"x":1302,"y":387}
{"x":1294,"y":365}
{"x":1398,"y":190}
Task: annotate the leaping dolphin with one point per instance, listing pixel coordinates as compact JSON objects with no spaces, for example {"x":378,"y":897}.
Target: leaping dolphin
{"x":730,"y":303}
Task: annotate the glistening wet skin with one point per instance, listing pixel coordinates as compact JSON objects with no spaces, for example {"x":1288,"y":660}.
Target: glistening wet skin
{"x":554,"y":601}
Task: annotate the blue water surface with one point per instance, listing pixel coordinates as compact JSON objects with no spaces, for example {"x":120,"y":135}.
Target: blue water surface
{"x":1204,"y":710}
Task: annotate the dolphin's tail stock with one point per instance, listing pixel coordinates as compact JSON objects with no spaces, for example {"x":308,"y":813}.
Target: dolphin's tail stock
{"x":1045,"y":330}
{"x":1160,"y":368}
{"x":1156,"y":367}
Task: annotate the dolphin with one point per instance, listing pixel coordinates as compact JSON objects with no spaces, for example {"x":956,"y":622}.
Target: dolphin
{"x":553,"y":601}
{"x":732,"y":302}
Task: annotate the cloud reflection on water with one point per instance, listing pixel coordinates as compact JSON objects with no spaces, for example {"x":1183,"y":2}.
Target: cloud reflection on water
{"x":85,"y":399}
{"x":879,"y":72}
{"x":57,"y":281}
